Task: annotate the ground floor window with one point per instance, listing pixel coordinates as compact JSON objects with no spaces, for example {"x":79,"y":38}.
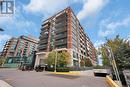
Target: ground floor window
{"x":41,"y":61}
{"x":75,"y":62}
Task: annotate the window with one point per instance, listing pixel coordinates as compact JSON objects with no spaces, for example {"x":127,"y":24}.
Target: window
{"x":75,"y":63}
{"x":41,"y":61}
{"x":74,"y":55}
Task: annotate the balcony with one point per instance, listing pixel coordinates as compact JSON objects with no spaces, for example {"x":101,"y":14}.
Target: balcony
{"x":46,"y":24}
{"x":44,"y":29}
{"x":43,"y":41}
{"x":64,"y":15}
{"x":42,"y":37}
{"x":42,"y":46}
{"x":61,"y":36}
{"x":61,"y":20}
{"x":60,"y":26}
{"x":61,"y":30}
{"x":42,"y":50}
{"x":61,"y":42}
{"x":44,"y":32}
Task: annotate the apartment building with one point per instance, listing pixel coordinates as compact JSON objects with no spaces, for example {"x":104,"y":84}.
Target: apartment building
{"x":63,"y":31}
{"x":22,"y":46}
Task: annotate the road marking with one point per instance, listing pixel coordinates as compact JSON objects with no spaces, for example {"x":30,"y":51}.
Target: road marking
{"x":8,"y":79}
{"x":4,"y":84}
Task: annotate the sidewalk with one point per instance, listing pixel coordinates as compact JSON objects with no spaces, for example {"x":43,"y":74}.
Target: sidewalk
{"x":4,"y":84}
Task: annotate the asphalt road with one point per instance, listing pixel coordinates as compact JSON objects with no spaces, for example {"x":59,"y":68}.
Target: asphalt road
{"x":18,"y":78}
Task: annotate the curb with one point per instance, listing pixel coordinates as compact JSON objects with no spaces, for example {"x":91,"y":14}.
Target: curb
{"x":4,"y":84}
{"x":111,"y":82}
{"x":67,"y":73}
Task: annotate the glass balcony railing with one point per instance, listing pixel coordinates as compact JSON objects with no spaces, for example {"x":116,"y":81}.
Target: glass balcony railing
{"x":61,"y":36}
{"x":61,"y":42}
{"x":43,"y":41}
{"x":61,"y":16}
{"x":61,"y":20}
{"x":61,"y":30}
{"x":42,"y":46}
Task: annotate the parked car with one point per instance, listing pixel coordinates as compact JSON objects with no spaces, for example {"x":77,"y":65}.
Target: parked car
{"x":40,"y":68}
{"x":26,"y":67}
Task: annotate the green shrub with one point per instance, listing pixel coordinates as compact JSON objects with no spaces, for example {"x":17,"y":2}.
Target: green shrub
{"x":49,"y":69}
{"x":63,"y":69}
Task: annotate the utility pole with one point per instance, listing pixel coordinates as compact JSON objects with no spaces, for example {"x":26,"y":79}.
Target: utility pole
{"x":52,"y":44}
{"x":55,"y":60}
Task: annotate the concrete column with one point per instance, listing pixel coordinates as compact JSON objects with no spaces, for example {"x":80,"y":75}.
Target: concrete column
{"x":37,"y":60}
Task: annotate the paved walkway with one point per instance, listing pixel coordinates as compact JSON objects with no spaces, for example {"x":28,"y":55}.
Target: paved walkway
{"x":4,"y":84}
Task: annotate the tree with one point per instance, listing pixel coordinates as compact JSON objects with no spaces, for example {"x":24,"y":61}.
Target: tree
{"x":2,"y":60}
{"x":123,"y":56}
{"x":63,"y":58}
{"x":105,"y":60}
{"x":120,"y":49}
{"x":50,"y":60}
{"x":88,"y":62}
{"x":82,"y":63}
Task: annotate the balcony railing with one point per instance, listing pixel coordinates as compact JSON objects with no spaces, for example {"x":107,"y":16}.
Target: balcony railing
{"x":60,"y":36}
{"x":45,"y":41}
{"x":61,"y":26}
{"x":42,"y":46}
{"x":61,"y":20}
{"x":61,"y":16}
{"x":61,"y":30}
{"x":61,"y":42}
{"x":43,"y":37}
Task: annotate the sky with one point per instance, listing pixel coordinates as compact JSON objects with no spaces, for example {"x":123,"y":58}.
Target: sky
{"x":100,"y":18}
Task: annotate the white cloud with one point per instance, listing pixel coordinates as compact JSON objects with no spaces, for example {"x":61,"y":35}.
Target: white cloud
{"x":4,"y":37}
{"x":17,"y":24}
{"x":91,"y":7}
{"x":98,"y":43}
{"x":46,"y":7}
{"x":18,"y":21}
{"x":108,"y":27}
{"x":49,"y":7}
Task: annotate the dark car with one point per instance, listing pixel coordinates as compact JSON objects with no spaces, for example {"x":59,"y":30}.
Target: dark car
{"x":26,"y":67}
{"x":40,"y":68}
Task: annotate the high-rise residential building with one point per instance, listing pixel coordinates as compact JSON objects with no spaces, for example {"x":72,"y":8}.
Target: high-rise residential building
{"x":22,"y":46}
{"x":63,"y":31}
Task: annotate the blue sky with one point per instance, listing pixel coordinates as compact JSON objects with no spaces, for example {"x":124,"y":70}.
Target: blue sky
{"x":99,"y":18}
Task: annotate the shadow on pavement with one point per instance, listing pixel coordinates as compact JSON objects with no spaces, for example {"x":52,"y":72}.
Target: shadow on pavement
{"x":64,"y":76}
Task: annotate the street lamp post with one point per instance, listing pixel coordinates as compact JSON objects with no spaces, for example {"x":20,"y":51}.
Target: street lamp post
{"x":55,"y":61}
{"x":114,"y":66}
{"x":55,"y":49}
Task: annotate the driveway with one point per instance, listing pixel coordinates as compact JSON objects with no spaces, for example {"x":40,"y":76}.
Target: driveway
{"x":17,"y":78}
